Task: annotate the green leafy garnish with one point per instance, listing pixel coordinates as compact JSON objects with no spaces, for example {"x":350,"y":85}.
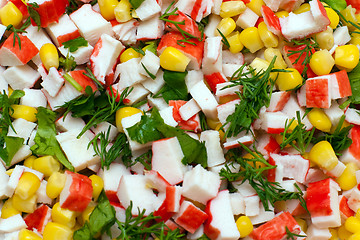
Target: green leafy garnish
{"x":16,"y":31}
{"x":73,"y":82}
{"x":152,"y":76}
{"x":6,"y":109}
{"x":336,"y":4}
{"x":291,"y":235}
{"x":91,"y":75}
{"x":73,"y":6}
{"x":224,"y":39}
{"x":100,"y":220}
{"x":9,"y":147}
{"x":136,"y":3}
{"x":175,"y":87}
{"x":74,"y":44}
{"x":68,"y":63}
{"x":354,"y":78}
{"x":34,"y":15}
{"x":45,"y":140}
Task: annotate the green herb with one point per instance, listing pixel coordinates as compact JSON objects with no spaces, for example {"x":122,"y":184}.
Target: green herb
{"x":204,"y":237}
{"x":9,"y":146}
{"x":73,"y":82}
{"x":224,"y":40}
{"x":175,"y":86}
{"x":16,"y":31}
{"x":73,"y":6}
{"x":336,"y":4}
{"x":257,"y":90}
{"x":299,"y":135}
{"x":143,"y":227}
{"x":7,"y":110}
{"x":107,"y":155}
{"x":349,"y":23}
{"x":151,"y":46}
{"x":74,"y":44}
{"x":339,"y":140}
{"x":68,"y":63}
{"x":354,"y":78}
{"x":251,"y":171}
{"x":100,"y":220}
{"x":90,"y":75}
{"x":203,"y":123}
{"x":144,"y":159}
{"x":291,"y":235}
{"x":34,"y":15}
{"x":136,"y":3}
{"x":152,"y":76}
{"x":138,"y":50}
{"x":45,"y":140}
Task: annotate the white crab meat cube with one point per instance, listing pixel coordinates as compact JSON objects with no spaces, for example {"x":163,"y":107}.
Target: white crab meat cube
{"x":151,"y":62}
{"x":126,"y":32}
{"x":212,"y":60}
{"x":273,"y":4}
{"x":224,"y":110}
{"x":5,"y":191}
{"x":274,"y":122}
{"x":243,"y":137}
{"x":247,"y":18}
{"x":154,"y":85}
{"x":63,"y":30}
{"x":263,"y":216}
{"x":23,"y":129}
{"x":189,"y":109}
{"x":210,"y":29}
{"x":104,"y":127}
{"x":224,"y":89}
{"x":278,"y":101}
{"x":205,"y":99}
{"x":130,"y":73}
{"x":20,"y":77}
{"x":229,"y":69}
{"x":81,"y":56}
{"x":215,"y":154}
{"x":152,"y":28}
{"x":168,"y":117}
{"x":66,"y":94}
{"x":352,"y":116}
{"x":334,"y":113}
{"x":76,"y":149}
{"x":353,"y":196}
{"x":252,"y":205}
{"x":196,"y":9}
{"x":166,"y":159}
{"x":4,"y":86}
{"x":90,"y":24}
{"x":42,"y":197}
{"x":53,"y":82}
{"x":12,"y":224}
{"x":292,"y":107}
{"x":112,"y":176}
{"x":337,"y":170}
{"x":21,"y":154}
{"x":316,"y":233}
{"x":193,"y":77}
{"x":244,"y":187}
{"x":2,"y":30}
{"x":67,"y":123}
{"x":341,"y":36}
{"x":138,"y":93}
{"x":147,"y":9}
{"x":189,"y":211}
{"x":237,"y":203}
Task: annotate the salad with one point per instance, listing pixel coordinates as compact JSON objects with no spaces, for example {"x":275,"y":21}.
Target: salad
{"x":146,"y":119}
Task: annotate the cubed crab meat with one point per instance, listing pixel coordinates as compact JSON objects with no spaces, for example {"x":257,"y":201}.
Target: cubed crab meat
{"x":267,"y":144}
{"x":189,"y":26}
{"x":205,"y":99}
{"x":352,"y":154}
{"x":38,"y":219}
{"x":53,"y":82}
{"x":150,"y":29}
{"x":63,"y":30}
{"x":274,"y":122}
{"x":156,"y":181}
{"x":126,"y":32}
{"x":196,"y":9}
{"x":295,"y":59}
{"x":345,"y":210}
{"x":190,"y":217}
{"x":215,"y":154}
{"x":48,"y":10}
{"x":173,"y":198}
{"x":318,"y":92}
{"x":271,"y":20}
{"x":212,"y":60}
{"x":214,"y":79}
{"x":193,"y":123}
{"x":340,"y":85}
{"x":83,"y":80}
{"x":278,"y":101}
{"x":77,"y":192}
{"x":20,"y":77}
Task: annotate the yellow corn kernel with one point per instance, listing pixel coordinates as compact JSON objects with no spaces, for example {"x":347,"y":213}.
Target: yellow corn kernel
{"x":174,"y":60}
{"x":302,"y":223}
{"x":55,"y":184}
{"x":288,"y":80}
{"x":9,"y":172}
{"x":269,"y":39}
{"x":107,"y":8}
{"x":227,"y":98}
{"x":319,"y":120}
{"x":122,"y":11}
{"x":349,"y":13}
{"x":225,"y":26}
{"x":221,"y":132}
{"x":128,"y":54}
{"x":244,"y":226}
{"x":347,"y":180}
{"x":334,"y":234}
{"x":27,"y":186}
{"x":323,"y":155}
{"x":352,"y":224}
{"x":10,"y":14}
{"x":357,"y":215}
{"x":84,"y":216}
{"x":333,"y":17}
{"x":212,"y":123}
{"x":63,"y":216}
{"x":252,"y":163}
{"x":8,"y":209}
{"x":303,"y":8}
{"x":321,"y":62}
{"x":325,"y":39}
{"x":46,"y":165}
{"x":270,"y":53}
{"x":355,"y":236}
{"x":346,"y":57}
{"x":10,"y":91}
{"x":282,"y":14}
{"x":355,"y":39}
{"x":29,"y":161}
{"x":255,"y":6}
{"x":57,"y":231}
{"x":250,"y":38}
{"x":24,"y":112}
{"x":24,"y":205}
{"x":49,"y":56}
{"x":25,"y":234}
{"x":259,"y":64}
{"x":123,"y":113}
{"x":97,"y":184}
{"x":343,"y":233}
{"x":231,"y":8}
{"x":234,"y":41}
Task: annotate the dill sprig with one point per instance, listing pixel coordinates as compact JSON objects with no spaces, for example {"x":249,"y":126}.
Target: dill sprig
{"x":299,"y":138}
{"x":252,"y":170}
{"x":17,"y":31}
{"x":6,"y":109}
{"x":224,"y":39}
{"x":290,"y":235}
{"x":355,"y":25}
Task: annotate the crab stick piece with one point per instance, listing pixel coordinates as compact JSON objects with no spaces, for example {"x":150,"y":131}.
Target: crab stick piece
{"x":63,"y":30}
{"x":190,"y":217}
{"x":318,"y":92}
{"x":193,"y":123}
{"x":189,"y":26}
{"x":38,"y":219}
{"x":271,"y":20}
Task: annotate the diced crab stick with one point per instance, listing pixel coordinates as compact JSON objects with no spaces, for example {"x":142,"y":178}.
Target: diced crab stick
{"x":63,"y":30}
{"x":214,"y":79}
{"x":190,"y":217}
{"x":355,"y":4}
{"x":38,"y":219}
{"x":83,"y":80}
{"x":173,"y":198}
{"x":163,"y":213}
{"x":352,"y":154}
{"x":340,"y":85}
{"x":345,"y":211}
{"x":271,"y":20}
{"x":189,"y":26}
{"x":295,"y":60}
{"x":156,"y":181}
{"x":49,"y":10}
{"x":77,"y":192}
{"x":318,"y":92}
{"x":323,"y":203}
{"x":12,"y":55}
{"x":275,"y":229}
{"x":267,"y":144}
{"x":278,"y":101}
{"x":192,"y":124}
{"x":194,"y":52}
{"x":196,"y":9}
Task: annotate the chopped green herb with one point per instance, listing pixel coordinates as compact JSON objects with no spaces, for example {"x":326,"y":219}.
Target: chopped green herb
{"x":74,"y":44}
{"x":6,"y":109}
{"x":9,"y":147}
{"x":73,"y":82}
{"x":34,"y":15}
{"x":152,"y":76}
{"x":292,"y":236}
{"x":16,"y":31}
{"x":354,"y":78}
{"x":224,"y":40}
{"x":175,"y":87}
{"x":68,"y":63}
{"x":90,"y":74}
{"x":336,"y":4}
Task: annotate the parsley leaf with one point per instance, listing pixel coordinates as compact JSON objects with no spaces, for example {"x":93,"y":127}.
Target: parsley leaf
{"x":9,"y":147}
{"x":336,"y":4}
{"x":34,"y":15}
{"x":74,"y":44}
{"x":354,"y":77}
{"x":45,"y":140}
{"x":16,"y":32}
{"x":68,"y":63}
{"x":136,"y":3}
{"x":6,"y":109}
{"x":175,"y":87}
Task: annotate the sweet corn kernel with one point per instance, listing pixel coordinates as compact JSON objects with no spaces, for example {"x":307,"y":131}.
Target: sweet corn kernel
{"x":269,"y":39}
{"x":352,"y":224}
{"x":319,"y":120}
{"x":252,"y":163}
{"x":46,"y":165}
{"x":225,"y":26}
{"x":10,"y":14}
{"x":357,"y":215}
{"x":107,"y":8}
{"x":281,"y":14}
{"x":174,"y":60}
{"x":347,"y":180}
{"x":128,"y":54}
{"x":343,"y":233}
{"x":84,"y":216}
{"x":355,"y":236}
{"x":334,"y":234}
{"x":27,"y":186}
{"x":349,"y":13}
{"x":234,"y":41}
{"x":29,"y":161}
{"x":97,"y":184}
{"x":57,"y":231}
{"x":122,"y":11}
{"x":25,"y":234}
{"x":302,"y":223}
{"x":63,"y":216}
{"x":347,"y":56}
{"x":244,"y":226}
{"x":231,"y":8}
{"x":227,"y":98}
{"x":49,"y":56}
{"x":303,"y":8}
{"x":55,"y":184}
{"x":259,"y":64}
{"x":325,"y":39}
{"x":24,"y":112}
{"x":355,"y":39}
{"x":323,"y":155}
{"x":9,"y":172}
{"x":27,"y":205}
{"x":221,"y":132}
{"x":123,"y":113}
{"x":270,"y":53}
{"x":250,"y":38}
{"x":255,"y":6}
{"x":288,"y":80}
{"x":333,"y":17}
{"x":8,"y":209}
{"x":321,"y":62}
